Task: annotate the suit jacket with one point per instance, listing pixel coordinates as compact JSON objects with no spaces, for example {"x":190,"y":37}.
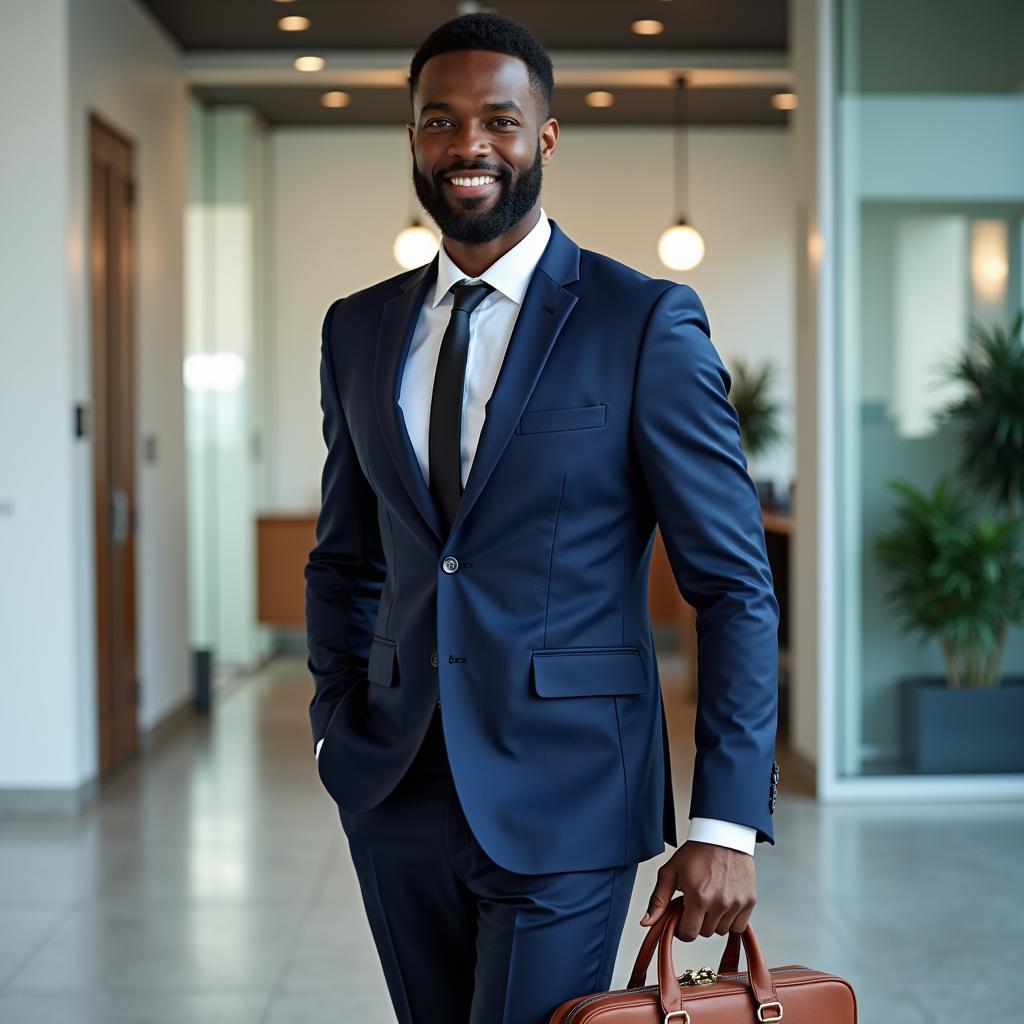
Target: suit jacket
{"x":530,"y":618}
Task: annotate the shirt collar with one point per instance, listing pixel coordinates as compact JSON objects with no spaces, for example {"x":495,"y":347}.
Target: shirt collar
{"x":509,"y":275}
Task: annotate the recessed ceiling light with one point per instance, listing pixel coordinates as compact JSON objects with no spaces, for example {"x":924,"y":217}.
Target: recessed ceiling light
{"x":284,"y":1}
{"x":648,"y":27}
{"x":335,"y":99}
{"x":293,"y":23}
{"x":600,"y":98}
{"x":309,"y":63}
{"x":784,"y":101}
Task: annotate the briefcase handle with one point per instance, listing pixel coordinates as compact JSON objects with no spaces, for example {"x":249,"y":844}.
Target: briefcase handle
{"x":730,"y":962}
{"x":670,"y":993}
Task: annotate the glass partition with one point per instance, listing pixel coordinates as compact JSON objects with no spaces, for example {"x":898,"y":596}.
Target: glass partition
{"x":929,"y":206}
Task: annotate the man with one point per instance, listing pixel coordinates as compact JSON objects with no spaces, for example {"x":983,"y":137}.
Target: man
{"x":505,"y":427}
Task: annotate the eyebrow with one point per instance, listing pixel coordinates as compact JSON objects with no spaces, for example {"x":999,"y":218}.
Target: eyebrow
{"x":489,"y":107}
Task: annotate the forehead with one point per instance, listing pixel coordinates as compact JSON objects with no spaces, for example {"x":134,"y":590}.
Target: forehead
{"x":473,"y":78}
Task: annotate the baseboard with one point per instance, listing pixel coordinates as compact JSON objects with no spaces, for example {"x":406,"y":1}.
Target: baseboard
{"x":48,"y":802}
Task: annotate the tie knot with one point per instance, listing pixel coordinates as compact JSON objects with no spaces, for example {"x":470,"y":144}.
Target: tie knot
{"x":469,"y":296}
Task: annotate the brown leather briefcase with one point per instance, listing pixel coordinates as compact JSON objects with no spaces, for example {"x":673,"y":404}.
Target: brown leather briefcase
{"x":796,"y":994}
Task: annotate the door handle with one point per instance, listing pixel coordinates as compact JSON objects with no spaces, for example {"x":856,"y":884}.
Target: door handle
{"x":120,"y":516}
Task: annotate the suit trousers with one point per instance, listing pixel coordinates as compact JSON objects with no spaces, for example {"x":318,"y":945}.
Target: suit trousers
{"x":460,"y":939}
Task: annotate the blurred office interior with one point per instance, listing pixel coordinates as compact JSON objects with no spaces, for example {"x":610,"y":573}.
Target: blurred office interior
{"x":186,"y":187}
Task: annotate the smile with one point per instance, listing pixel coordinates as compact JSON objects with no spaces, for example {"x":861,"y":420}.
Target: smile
{"x":469,"y":185}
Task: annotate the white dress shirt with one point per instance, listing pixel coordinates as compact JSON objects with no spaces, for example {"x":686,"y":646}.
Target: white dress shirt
{"x":490,"y":329}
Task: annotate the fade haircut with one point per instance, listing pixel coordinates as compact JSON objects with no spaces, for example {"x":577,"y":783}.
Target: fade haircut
{"x":497,"y":34}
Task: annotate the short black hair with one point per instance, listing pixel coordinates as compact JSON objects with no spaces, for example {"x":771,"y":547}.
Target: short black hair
{"x":492,"y":32}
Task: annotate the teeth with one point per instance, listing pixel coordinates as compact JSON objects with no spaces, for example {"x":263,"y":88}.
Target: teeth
{"x":482,"y":180}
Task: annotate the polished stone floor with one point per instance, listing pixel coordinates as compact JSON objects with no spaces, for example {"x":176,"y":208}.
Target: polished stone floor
{"x":210,"y":884}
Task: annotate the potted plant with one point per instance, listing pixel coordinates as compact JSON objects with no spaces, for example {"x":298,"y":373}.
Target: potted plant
{"x":957,"y":579}
{"x":992,"y":412}
{"x":758,"y":415}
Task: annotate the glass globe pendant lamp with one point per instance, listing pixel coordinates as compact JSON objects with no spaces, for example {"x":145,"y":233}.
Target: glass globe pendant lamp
{"x":680,"y":246}
{"x":414,"y":245}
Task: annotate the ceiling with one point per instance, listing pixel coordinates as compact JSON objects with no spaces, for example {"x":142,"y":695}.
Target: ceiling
{"x":735,"y":51}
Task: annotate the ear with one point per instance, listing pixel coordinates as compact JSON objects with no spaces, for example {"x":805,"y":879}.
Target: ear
{"x":548,"y":140}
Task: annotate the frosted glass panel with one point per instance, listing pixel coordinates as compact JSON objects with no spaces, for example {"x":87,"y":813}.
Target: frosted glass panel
{"x":930,"y":300}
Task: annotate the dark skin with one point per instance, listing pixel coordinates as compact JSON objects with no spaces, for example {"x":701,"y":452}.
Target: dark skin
{"x":457,"y":123}
{"x":464,"y":131}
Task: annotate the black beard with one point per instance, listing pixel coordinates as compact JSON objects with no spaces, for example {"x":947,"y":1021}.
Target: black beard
{"x":516,"y":198}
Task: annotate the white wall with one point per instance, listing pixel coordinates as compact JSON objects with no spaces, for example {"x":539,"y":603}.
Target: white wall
{"x":340,"y":196}
{"x":38,"y":681}
{"x":63,"y":60}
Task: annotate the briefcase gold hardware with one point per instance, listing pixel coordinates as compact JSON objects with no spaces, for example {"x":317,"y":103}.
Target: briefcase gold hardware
{"x":701,"y":976}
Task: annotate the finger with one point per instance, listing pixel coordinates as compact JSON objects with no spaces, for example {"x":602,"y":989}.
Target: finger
{"x":692,"y":920}
{"x":663,"y":891}
{"x":740,"y":922}
{"x":725,"y":922}
{"x":712,"y":920}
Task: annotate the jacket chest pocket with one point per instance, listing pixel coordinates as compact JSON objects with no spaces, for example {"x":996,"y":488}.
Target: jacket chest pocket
{"x":580,"y":417}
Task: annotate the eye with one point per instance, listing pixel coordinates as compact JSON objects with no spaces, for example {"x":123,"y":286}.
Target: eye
{"x":507,"y":120}
{"x":434,"y":120}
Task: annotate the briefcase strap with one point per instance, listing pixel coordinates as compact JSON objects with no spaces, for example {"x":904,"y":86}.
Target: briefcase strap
{"x":670,"y":992}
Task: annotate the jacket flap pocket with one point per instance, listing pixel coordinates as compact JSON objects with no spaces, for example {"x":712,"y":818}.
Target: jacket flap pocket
{"x":382,"y":661}
{"x":588,"y":671}
{"x":562,"y":419}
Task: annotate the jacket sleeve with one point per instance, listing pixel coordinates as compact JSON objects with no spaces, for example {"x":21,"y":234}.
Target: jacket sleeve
{"x":686,"y":436}
{"x":346,"y":568}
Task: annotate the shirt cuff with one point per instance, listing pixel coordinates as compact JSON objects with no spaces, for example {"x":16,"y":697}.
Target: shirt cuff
{"x":319,"y":744}
{"x":723,"y":833}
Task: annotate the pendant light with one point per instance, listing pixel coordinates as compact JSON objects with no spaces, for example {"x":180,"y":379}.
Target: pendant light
{"x":680,"y":246}
{"x":414,"y":245}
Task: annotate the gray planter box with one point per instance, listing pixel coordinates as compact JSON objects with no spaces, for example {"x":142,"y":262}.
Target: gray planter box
{"x":963,"y":730}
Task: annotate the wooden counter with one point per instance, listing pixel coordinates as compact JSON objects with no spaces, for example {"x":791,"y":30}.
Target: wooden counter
{"x":284,"y":541}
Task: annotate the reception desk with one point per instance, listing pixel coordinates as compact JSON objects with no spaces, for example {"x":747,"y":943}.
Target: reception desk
{"x":283,"y":543}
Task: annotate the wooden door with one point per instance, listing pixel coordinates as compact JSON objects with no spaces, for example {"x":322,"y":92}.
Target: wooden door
{"x":112,"y":278}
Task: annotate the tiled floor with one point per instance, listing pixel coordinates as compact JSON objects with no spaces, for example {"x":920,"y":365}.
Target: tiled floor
{"x":211,"y":885}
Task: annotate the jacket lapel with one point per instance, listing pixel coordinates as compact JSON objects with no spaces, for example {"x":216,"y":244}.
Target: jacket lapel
{"x":394,"y":337}
{"x":545,"y":309}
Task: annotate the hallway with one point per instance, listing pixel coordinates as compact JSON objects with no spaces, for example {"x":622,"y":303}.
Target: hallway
{"x":211,"y":883}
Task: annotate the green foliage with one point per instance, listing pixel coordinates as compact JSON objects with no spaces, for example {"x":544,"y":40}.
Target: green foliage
{"x":992,"y":411}
{"x":955,"y":578}
{"x":758,"y":413}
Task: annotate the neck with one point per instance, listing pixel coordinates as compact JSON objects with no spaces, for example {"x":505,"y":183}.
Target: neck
{"x":473,"y":260}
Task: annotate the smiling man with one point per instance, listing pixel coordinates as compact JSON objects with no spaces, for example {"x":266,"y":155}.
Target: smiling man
{"x":505,"y":428}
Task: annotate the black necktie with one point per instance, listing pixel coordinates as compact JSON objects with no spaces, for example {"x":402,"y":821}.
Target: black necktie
{"x":445,"y":440}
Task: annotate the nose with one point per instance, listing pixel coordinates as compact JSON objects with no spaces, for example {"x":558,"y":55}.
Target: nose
{"x":469,"y":141}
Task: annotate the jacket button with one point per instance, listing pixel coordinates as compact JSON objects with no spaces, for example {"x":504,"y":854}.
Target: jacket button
{"x":433,"y":658}
{"x":450,"y":564}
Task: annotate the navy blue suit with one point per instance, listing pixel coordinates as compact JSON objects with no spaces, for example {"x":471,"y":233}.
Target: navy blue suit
{"x":530,"y":619}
